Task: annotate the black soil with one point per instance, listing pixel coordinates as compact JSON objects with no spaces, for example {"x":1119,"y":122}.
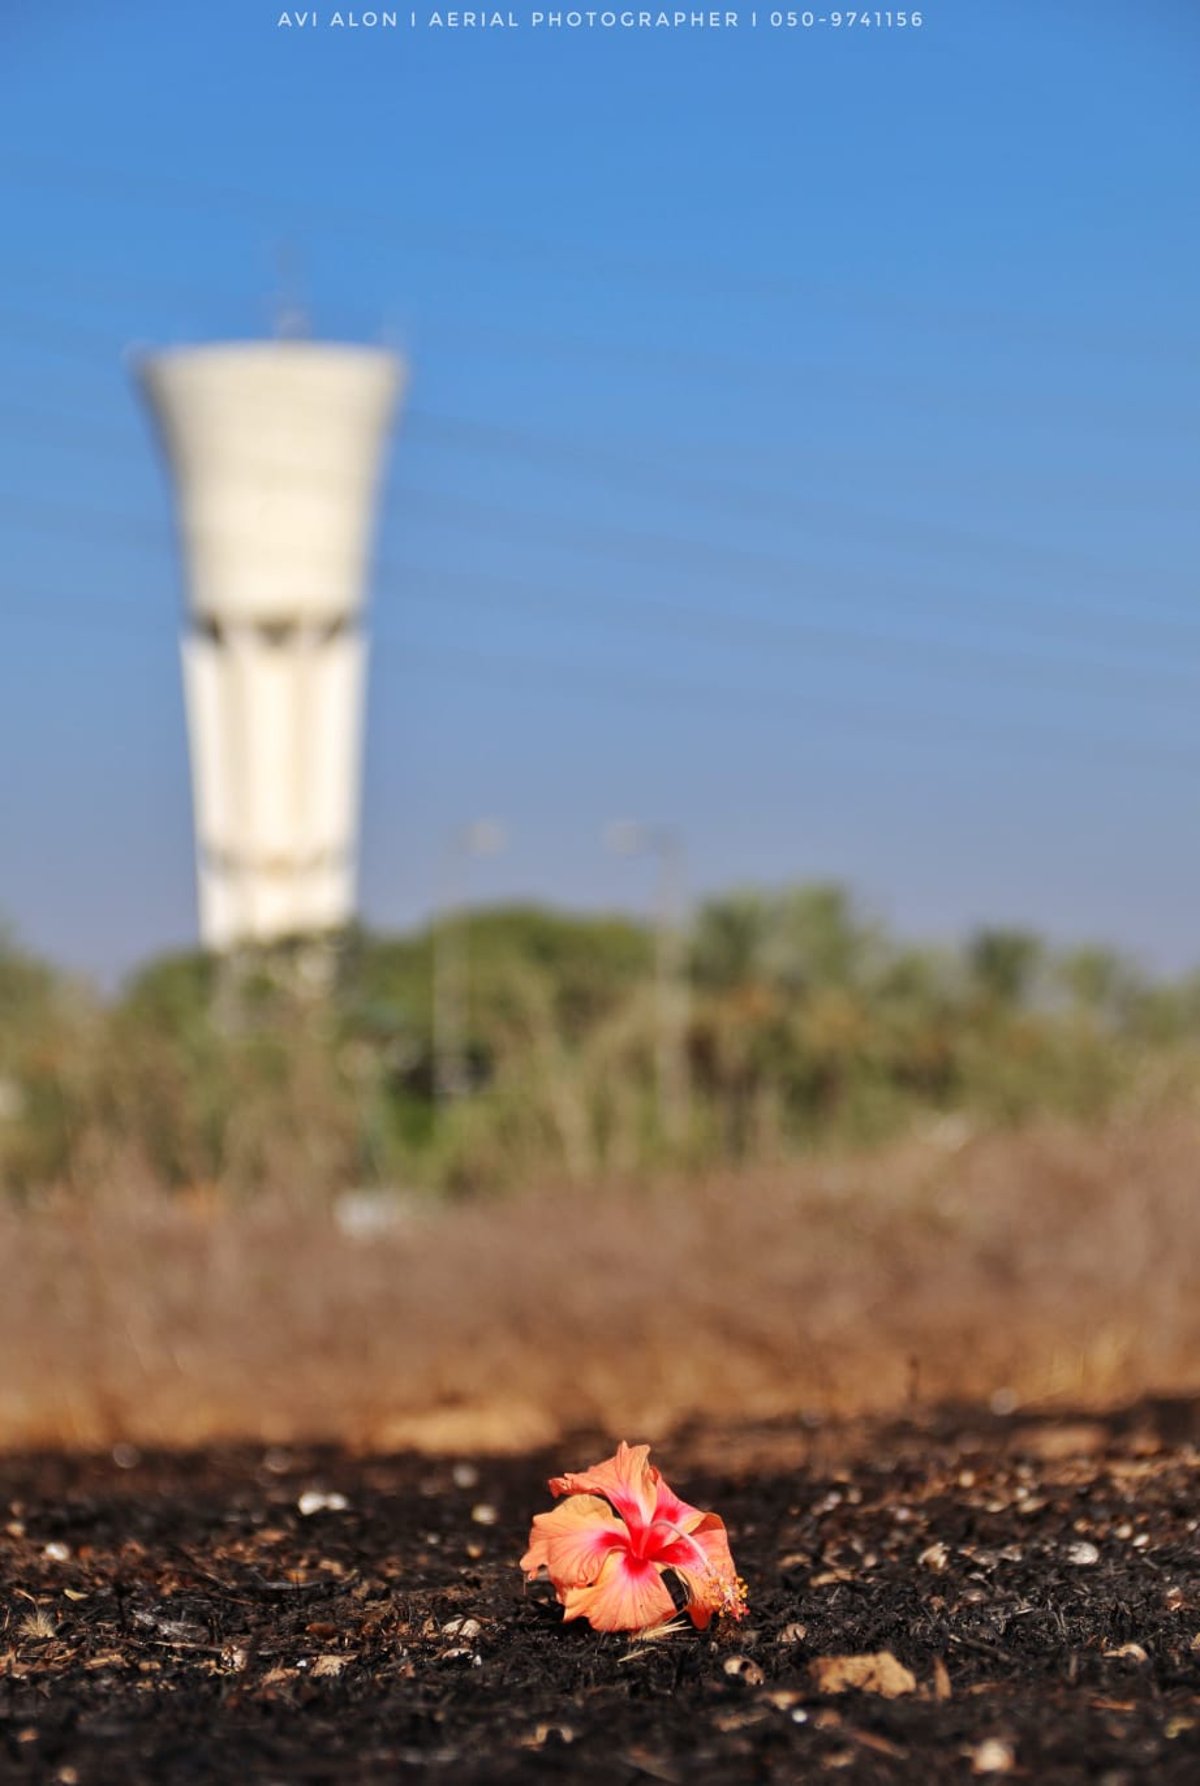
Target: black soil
{"x":174,"y":1618}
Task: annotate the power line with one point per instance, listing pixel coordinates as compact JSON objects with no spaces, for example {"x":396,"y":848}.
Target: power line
{"x":617,"y":462}
{"x":907,"y":654}
{"x":506,"y":672}
{"x":620,"y":470}
{"x":666,"y":550}
{"x":748,"y":631}
{"x":888,"y":647}
{"x":484,"y":242}
{"x":659,"y":548}
{"x":668,"y":359}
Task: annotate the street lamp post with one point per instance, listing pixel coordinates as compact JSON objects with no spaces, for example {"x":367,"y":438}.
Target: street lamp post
{"x":484,"y":837}
{"x":628,"y":838}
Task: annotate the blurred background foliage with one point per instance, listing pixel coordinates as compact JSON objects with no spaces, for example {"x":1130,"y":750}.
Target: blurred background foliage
{"x":794,"y":1023}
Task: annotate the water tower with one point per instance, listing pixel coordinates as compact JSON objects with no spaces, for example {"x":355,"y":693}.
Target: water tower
{"x":275,"y":450}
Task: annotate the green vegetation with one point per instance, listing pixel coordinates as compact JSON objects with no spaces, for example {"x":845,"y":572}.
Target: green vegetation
{"x":795,"y":1024}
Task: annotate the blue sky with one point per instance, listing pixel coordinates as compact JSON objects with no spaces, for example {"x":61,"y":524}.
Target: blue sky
{"x":801,"y":448}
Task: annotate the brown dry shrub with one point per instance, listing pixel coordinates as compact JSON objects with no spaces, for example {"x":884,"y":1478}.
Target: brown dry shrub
{"x":1052,"y":1263}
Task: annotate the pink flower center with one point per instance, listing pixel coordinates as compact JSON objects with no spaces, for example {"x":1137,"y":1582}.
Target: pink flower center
{"x":651,"y":1543}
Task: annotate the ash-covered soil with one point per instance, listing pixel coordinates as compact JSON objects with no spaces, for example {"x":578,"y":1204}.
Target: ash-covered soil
{"x":308,"y":1615}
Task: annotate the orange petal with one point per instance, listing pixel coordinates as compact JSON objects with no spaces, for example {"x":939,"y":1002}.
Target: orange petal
{"x":573,"y":1540}
{"x":669,"y":1507}
{"x":712,"y":1583}
{"x":628,"y":1595}
{"x":626,"y":1480}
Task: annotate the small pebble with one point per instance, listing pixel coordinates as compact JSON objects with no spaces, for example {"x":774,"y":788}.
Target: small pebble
{"x":562,"y":1733}
{"x":993,"y":1757}
{"x":1083,"y":1554}
{"x":314,"y":1501}
{"x":484,"y":1514}
{"x":465,"y":1476}
{"x":329,"y":1665}
{"x":744,"y":1668}
{"x":57,"y":1553}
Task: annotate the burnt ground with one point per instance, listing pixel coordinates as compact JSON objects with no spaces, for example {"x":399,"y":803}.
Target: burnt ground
{"x":178,"y":1618}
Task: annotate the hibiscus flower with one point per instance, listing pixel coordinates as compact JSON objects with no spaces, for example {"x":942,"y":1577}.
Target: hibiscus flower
{"x":619,"y":1529}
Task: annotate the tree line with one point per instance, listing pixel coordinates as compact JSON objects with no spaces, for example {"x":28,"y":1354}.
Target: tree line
{"x":791,"y":1021}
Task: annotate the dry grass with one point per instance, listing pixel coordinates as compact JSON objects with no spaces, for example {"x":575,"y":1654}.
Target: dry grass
{"x":1051,"y":1263}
